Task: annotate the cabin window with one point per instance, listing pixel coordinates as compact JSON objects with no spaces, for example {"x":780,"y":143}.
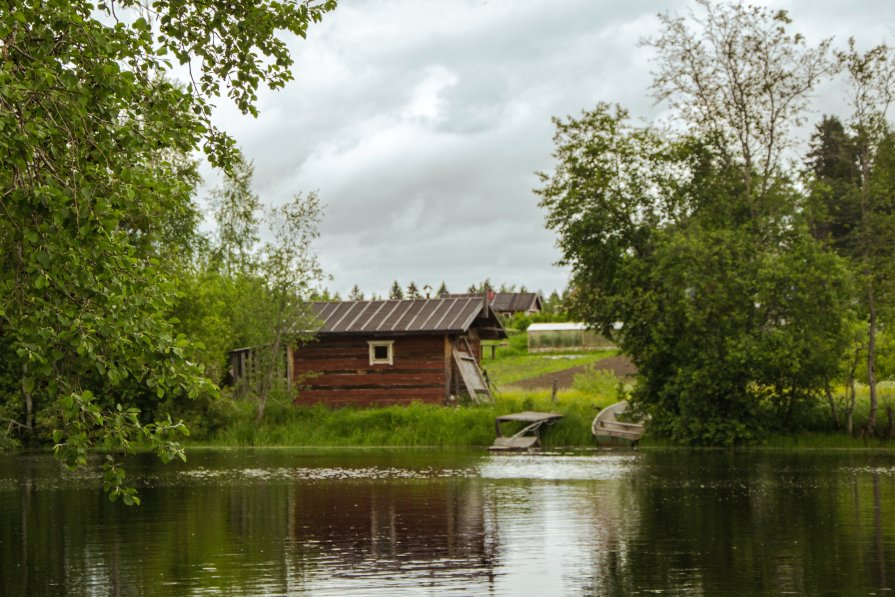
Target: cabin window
{"x":382,"y":353}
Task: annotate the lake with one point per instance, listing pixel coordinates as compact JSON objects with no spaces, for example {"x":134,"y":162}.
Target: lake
{"x":383,"y":522}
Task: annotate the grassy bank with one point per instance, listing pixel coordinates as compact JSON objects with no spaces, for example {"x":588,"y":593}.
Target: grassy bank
{"x":514,"y":368}
{"x":414,"y":425}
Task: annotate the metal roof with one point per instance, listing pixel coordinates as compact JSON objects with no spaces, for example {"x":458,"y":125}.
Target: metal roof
{"x":415,"y":316}
{"x":516,"y":301}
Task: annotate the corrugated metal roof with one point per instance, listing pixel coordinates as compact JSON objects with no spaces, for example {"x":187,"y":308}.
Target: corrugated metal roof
{"x":454,"y":315}
{"x":515,"y":301}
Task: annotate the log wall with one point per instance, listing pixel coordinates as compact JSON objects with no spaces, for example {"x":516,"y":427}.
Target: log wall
{"x":345,"y":377}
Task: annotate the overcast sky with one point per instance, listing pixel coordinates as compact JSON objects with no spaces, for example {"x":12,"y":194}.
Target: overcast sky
{"x":422,"y":123}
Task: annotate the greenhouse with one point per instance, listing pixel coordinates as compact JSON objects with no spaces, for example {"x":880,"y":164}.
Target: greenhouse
{"x":557,"y":337}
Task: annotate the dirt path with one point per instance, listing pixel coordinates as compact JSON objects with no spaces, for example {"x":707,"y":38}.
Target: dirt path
{"x":620,"y":366}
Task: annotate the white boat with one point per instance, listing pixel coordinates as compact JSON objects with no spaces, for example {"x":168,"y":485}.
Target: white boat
{"x":609,"y":430}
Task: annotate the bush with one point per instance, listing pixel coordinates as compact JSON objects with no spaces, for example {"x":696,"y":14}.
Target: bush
{"x":598,"y":382}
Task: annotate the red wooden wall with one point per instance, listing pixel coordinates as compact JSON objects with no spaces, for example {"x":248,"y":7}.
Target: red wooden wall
{"x":346,"y":377}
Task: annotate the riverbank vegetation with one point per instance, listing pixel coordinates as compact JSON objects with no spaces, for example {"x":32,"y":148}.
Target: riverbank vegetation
{"x":472,"y":426}
{"x":99,"y":221}
{"x":752,"y":277}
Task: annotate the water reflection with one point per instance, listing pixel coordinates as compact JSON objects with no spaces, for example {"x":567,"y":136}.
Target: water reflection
{"x":391,"y":535}
{"x":343,"y":522}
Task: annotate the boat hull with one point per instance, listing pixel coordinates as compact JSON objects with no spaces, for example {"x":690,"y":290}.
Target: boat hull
{"x":610,"y":431}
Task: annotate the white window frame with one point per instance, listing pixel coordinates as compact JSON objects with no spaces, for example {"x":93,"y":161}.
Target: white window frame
{"x":374,"y":344}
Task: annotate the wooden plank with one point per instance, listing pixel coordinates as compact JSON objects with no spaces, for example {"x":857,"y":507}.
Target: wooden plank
{"x":524,"y":442}
{"x":628,"y":435}
{"x":431,"y":378}
{"x":362,"y":351}
{"x":370,"y":395}
{"x":364,"y":363}
{"x":622,"y":425}
{"x":472,"y":378}
{"x":530,"y":417}
{"x":367,"y":402}
{"x":432,"y":342}
{"x":447,"y":350}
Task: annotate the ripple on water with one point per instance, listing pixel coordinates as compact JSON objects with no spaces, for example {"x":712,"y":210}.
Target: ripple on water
{"x":319,"y":474}
{"x":597,"y":467}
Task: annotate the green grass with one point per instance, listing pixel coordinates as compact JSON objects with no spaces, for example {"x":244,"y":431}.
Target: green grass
{"x":415,"y":425}
{"x":506,"y":370}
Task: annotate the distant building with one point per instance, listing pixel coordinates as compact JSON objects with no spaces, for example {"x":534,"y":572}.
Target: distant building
{"x":510,"y":303}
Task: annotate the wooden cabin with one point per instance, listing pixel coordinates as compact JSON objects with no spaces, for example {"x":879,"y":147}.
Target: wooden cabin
{"x":396,"y":351}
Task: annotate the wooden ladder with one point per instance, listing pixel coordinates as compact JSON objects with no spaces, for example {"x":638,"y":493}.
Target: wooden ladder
{"x":471,"y":374}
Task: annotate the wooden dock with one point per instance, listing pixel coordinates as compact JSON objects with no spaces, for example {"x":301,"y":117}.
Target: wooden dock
{"x":526,"y":438}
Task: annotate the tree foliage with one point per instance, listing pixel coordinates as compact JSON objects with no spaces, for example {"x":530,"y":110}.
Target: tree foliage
{"x":734,"y":308}
{"x":852,"y":197}
{"x":237,"y":214}
{"x":94,"y":189}
{"x":396,"y":292}
{"x":736,"y":74}
{"x":728,"y":319}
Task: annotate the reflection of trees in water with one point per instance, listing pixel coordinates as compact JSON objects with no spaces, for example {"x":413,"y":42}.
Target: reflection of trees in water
{"x":752,"y":524}
{"x":704,"y":523}
{"x":243,"y":538}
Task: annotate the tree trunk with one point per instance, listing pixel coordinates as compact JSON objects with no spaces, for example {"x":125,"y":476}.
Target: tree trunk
{"x":271,"y":367}
{"x":850,"y":404}
{"x":871,"y":362}
{"x":832,"y":402}
{"x":29,"y":408}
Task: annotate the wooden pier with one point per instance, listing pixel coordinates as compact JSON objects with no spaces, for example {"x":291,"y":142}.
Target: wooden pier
{"x":526,"y":438}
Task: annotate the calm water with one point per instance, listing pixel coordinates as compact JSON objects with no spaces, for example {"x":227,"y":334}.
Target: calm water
{"x":301,"y":522}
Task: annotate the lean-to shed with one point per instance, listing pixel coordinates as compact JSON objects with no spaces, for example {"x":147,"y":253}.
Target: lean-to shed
{"x":510,"y":303}
{"x":396,"y":351}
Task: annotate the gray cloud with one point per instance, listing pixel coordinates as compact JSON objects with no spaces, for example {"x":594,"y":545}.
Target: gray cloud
{"x":421,"y":124}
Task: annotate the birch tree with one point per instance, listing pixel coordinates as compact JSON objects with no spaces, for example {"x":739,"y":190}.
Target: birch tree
{"x":738,"y":75}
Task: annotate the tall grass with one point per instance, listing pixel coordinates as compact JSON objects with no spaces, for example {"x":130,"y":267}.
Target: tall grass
{"x":414,"y":425}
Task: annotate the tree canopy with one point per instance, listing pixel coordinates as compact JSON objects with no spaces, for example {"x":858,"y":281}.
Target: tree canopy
{"x":95,"y":188}
{"x":697,"y":237}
